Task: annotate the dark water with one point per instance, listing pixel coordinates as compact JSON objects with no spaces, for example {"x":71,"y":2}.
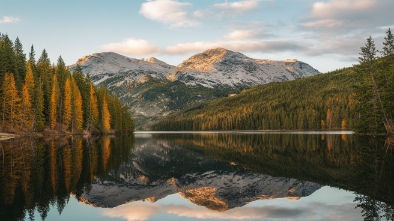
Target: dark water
{"x":208,"y":176}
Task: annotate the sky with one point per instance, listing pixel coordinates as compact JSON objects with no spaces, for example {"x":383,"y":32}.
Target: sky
{"x":326,"y":34}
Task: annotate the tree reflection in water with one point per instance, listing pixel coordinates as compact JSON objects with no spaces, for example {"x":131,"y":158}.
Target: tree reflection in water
{"x":361,"y":164}
{"x":36,"y":174}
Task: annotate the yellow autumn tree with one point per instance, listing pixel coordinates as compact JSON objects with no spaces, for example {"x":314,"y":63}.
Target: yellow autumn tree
{"x":329,"y":119}
{"x":11,"y":101}
{"x":29,"y":81}
{"x":67,"y":107}
{"x":105,"y":116}
{"x":27,"y":98}
{"x":94,"y":112}
{"x":53,"y":102}
{"x":106,"y":152}
{"x":27,"y":112}
{"x":77,"y":111}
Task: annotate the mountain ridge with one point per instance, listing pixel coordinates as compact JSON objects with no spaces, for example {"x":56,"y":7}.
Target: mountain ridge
{"x":153,"y":89}
{"x":211,"y":68}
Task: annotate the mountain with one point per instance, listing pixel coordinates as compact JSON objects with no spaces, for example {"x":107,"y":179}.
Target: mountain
{"x":161,"y":167}
{"x":153,"y":89}
{"x":102,"y":66}
{"x":216,"y":190}
{"x":217,"y":67}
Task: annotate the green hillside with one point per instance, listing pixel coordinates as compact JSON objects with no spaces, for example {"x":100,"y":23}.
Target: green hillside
{"x":157,"y":98}
{"x":343,"y":99}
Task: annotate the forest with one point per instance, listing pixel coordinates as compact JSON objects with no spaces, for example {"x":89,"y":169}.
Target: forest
{"x":40,"y":97}
{"x":358,"y":98}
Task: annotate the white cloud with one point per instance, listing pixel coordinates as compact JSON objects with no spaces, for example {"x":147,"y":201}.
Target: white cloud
{"x":132,"y":46}
{"x":248,"y":33}
{"x":9,"y":19}
{"x":315,"y":211}
{"x":331,"y":23}
{"x":333,"y":7}
{"x":170,"y":12}
{"x":236,"y":8}
{"x":242,"y":46}
{"x":341,"y":26}
{"x":348,"y":15}
{"x":133,"y":213}
{"x":241,"y":34}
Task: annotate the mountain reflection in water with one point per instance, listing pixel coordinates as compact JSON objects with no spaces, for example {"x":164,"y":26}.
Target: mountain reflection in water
{"x":221,"y":172}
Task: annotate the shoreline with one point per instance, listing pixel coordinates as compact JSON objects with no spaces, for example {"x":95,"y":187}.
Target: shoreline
{"x":250,"y":132}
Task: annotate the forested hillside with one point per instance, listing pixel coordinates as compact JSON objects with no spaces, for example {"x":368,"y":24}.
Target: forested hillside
{"x":36,"y":96}
{"x":359,"y":98}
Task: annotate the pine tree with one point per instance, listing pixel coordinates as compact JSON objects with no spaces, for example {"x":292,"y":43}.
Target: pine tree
{"x":7,"y":56}
{"x":20,"y":63}
{"x":32,"y":60}
{"x":388,"y":44}
{"x":39,"y":122}
{"x":67,"y":107}
{"x":45,"y":73}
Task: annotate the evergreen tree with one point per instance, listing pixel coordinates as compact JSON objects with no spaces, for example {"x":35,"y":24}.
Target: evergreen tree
{"x":39,"y":106}
{"x":32,"y":60}
{"x":388,"y":44}
{"x":62,"y":74}
{"x":7,"y":56}
{"x":20,"y":63}
{"x":45,"y":74}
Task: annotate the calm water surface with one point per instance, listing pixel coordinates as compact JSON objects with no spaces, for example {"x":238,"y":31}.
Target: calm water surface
{"x":198,"y":176}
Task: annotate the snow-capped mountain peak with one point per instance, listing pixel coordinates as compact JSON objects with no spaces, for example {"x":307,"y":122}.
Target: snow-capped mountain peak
{"x":112,"y":63}
{"x":219,"y":66}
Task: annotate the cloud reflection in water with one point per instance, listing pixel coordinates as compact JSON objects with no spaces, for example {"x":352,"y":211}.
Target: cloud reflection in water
{"x":294,"y":210}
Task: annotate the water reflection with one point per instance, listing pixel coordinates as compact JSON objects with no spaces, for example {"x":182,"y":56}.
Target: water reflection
{"x":36,"y":173}
{"x":220,"y":172}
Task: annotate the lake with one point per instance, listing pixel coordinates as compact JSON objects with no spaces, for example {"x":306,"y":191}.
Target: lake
{"x":254,"y":175}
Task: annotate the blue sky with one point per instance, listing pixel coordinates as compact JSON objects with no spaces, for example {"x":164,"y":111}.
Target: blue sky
{"x":326,"y":34}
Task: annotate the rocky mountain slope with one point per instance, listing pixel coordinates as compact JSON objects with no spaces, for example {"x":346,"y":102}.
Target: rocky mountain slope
{"x":108,"y":65}
{"x":153,"y":89}
{"x":158,"y":168}
{"x":220,"y":66}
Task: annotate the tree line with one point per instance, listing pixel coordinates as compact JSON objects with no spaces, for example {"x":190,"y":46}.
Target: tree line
{"x":37,"y":96}
{"x":359,"y":98}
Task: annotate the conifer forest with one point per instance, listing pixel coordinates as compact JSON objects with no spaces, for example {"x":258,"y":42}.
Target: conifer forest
{"x":40,"y":97}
